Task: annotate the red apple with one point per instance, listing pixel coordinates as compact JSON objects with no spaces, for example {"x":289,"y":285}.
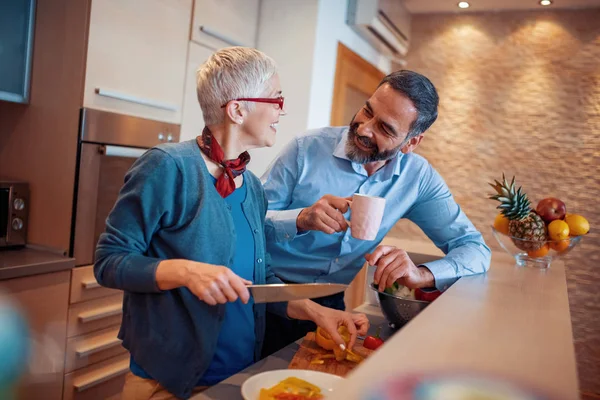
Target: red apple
{"x":550,"y":209}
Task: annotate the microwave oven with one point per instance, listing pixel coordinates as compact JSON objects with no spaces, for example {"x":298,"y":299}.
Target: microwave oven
{"x":14,"y":210}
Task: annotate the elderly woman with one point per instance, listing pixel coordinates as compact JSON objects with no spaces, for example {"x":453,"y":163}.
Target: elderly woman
{"x":186,"y":236}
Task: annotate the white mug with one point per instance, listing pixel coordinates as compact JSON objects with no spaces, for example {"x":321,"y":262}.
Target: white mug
{"x":367,"y":213}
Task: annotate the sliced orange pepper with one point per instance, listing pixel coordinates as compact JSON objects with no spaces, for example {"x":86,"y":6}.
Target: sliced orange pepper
{"x":324,"y":340}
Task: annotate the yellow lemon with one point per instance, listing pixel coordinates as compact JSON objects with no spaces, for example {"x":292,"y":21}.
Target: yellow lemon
{"x":558,"y":230}
{"x":501,"y":224}
{"x":577,"y":224}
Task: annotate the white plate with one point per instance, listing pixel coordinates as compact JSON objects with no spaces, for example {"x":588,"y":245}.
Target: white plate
{"x":251,"y":387}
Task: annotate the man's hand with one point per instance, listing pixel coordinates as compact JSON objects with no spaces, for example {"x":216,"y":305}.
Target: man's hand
{"x":394,"y":265}
{"x":213,"y":284}
{"x":326,"y":215}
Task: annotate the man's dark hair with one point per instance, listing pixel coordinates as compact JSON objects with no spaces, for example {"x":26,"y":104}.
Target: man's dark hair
{"x":421,"y":92}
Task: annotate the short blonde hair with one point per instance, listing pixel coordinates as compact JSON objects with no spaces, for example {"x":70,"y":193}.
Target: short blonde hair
{"x":231,"y":73}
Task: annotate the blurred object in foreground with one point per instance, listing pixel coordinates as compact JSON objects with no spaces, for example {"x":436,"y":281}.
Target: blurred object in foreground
{"x":14,"y":347}
{"x":451,"y":386}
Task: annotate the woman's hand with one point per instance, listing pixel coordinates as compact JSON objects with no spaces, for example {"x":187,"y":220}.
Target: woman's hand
{"x":213,"y":284}
{"x":330,"y":320}
{"x":361,"y":322}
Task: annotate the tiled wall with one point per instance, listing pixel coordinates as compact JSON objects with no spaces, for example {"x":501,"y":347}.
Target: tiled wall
{"x":520,"y":94}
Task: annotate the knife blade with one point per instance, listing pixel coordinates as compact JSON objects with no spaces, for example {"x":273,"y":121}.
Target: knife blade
{"x":293,"y":291}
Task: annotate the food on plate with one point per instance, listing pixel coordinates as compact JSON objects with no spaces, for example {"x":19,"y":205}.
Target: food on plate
{"x":524,"y":223}
{"x":373,"y":342}
{"x":551,"y":209}
{"x":324,"y":340}
{"x":578,"y":225}
{"x":292,"y":388}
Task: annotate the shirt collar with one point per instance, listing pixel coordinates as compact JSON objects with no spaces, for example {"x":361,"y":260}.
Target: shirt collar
{"x":390,"y":169}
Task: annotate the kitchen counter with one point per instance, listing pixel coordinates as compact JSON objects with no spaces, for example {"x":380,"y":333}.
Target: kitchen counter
{"x":230,"y":389}
{"x":15,"y":263}
{"x":512,"y":323}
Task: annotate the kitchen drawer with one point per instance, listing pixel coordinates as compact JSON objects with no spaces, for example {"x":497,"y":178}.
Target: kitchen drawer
{"x":99,"y":381}
{"x":95,"y":314}
{"x":92,"y":348}
{"x":85,"y":287}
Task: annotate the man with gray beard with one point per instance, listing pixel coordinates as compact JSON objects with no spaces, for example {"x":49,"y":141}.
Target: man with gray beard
{"x":308,"y":187}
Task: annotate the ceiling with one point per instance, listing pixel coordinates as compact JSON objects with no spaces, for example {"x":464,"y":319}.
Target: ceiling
{"x":432,"y":6}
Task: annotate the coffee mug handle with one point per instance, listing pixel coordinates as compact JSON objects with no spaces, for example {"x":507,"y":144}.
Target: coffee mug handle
{"x":350,"y":207}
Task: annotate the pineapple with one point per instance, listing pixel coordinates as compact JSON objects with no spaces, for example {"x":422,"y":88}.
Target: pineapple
{"x":524,"y":223}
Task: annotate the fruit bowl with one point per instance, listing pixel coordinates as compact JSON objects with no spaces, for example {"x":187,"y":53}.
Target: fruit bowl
{"x":540,"y":258}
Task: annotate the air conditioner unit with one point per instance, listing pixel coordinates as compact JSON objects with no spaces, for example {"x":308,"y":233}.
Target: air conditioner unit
{"x":383,"y":23}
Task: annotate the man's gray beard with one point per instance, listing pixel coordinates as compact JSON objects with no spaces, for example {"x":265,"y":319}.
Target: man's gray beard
{"x":361,"y":157}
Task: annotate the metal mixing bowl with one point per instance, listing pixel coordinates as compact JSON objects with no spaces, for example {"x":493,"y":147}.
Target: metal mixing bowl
{"x":398,"y":311}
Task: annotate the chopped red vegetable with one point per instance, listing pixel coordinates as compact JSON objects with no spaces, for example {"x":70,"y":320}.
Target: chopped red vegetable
{"x":373,"y":342}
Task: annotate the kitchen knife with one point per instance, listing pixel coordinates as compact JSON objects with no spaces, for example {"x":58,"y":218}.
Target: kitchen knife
{"x":293,"y":291}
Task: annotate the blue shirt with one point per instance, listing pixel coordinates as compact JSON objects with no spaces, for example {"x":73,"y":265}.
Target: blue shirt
{"x":316,"y":164}
{"x":235,"y":344}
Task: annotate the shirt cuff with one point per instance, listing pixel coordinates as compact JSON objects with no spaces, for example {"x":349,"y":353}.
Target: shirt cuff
{"x":285,"y":224}
{"x":278,"y":309}
{"x":443,"y":273}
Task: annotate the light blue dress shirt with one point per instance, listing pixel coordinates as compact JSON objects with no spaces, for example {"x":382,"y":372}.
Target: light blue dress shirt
{"x":316,"y":164}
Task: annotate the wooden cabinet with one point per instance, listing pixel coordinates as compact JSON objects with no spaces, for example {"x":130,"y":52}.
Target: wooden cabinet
{"x":95,"y":361}
{"x":192,"y":121}
{"x":223,"y":23}
{"x":85,"y":287}
{"x":100,"y":381}
{"x":136,"y":58}
{"x":43,"y":299}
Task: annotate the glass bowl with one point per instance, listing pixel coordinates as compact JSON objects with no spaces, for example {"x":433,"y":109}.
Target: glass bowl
{"x":530,"y":253}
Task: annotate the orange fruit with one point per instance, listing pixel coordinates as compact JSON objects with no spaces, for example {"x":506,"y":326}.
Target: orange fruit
{"x":558,"y":230}
{"x":560,"y":246}
{"x":501,"y":223}
{"x":541,"y":252}
{"x":577,"y":224}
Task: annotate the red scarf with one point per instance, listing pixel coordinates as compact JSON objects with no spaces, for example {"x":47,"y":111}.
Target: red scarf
{"x":225,"y":183}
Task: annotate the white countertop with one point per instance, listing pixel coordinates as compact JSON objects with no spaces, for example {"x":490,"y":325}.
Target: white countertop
{"x":512,"y":322}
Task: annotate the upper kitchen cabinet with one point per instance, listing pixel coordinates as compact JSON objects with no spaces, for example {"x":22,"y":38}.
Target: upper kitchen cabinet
{"x":136,"y":59}
{"x":16,"y":43}
{"x":224,"y":23}
{"x":192,"y":121}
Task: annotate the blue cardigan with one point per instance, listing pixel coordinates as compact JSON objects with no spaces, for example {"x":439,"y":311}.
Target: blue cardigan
{"x":169,"y":208}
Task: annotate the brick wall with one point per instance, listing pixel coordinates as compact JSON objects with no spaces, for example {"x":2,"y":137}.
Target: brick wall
{"x":520,"y":94}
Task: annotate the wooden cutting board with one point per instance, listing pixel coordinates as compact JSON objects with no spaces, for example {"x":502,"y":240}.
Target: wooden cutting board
{"x":309,"y":350}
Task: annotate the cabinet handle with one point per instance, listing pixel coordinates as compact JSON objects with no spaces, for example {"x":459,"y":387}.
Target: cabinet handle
{"x":134,"y":99}
{"x":223,"y":38}
{"x":117,"y":370}
{"x":91,"y":284}
{"x":104,"y":312}
{"x":107,"y":344}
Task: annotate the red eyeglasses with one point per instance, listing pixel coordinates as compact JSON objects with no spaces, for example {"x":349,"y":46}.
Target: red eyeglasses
{"x":276,"y":100}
